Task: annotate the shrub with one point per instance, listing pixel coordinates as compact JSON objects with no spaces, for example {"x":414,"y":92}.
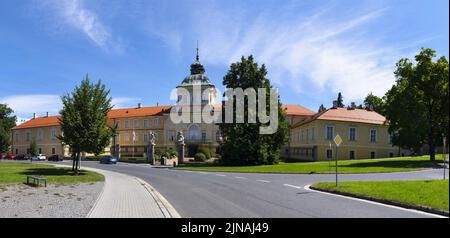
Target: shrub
{"x":199,"y":157}
{"x":206,"y":152}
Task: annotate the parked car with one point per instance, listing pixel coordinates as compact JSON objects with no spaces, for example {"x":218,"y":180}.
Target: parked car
{"x":55,"y":158}
{"x":9,"y":156}
{"x":108,"y":160}
{"x":39,"y":157}
{"x":2,"y":156}
{"x":22,"y":157}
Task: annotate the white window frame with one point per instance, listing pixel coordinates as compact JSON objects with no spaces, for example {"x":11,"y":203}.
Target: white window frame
{"x":313,"y":129}
{"x":16,"y":137}
{"x":145,"y":123}
{"x":349,"y":133}
{"x":370,"y":135}
{"x":326,"y":132}
{"x":118,"y":124}
{"x":135,"y":123}
{"x":127,"y":124}
{"x":155,"y":122}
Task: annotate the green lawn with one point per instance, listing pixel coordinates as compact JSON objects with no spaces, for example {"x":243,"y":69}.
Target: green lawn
{"x":345,"y":166}
{"x":428,"y":193}
{"x":16,"y":173}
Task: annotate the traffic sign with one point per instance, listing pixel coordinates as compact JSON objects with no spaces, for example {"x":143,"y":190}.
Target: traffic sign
{"x":337,"y":140}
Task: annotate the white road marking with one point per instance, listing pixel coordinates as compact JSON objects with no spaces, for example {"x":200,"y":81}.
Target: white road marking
{"x":292,"y":186}
{"x":240,"y":178}
{"x":263,"y":181}
{"x":375,"y":203}
{"x":222,"y":175}
{"x":187,"y":171}
{"x":203,"y":172}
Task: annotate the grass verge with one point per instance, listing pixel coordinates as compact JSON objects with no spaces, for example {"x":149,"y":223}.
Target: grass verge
{"x":400,"y":164}
{"x":421,"y":194}
{"x":16,"y":173}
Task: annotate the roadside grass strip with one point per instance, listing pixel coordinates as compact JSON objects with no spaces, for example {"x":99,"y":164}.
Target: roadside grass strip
{"x":426,"y":195}
{"x":401,"y":164}
{"x":16,"y":173}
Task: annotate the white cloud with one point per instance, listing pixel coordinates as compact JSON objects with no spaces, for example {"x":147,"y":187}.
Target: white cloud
{"x":76,"y":14}
{"x":25,"y":105}
{"x":124,"y":102}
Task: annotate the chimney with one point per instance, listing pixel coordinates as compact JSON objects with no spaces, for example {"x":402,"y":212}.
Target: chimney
{"x":335,"y":104}
{"x":47,"y":114}
{"x":157,"y":104}
{"x":353,"y":105}
{"x":35,"y":115}
{"x":139,"y":105}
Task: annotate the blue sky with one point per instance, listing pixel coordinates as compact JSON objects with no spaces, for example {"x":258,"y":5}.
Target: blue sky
{"x":142,"y":49}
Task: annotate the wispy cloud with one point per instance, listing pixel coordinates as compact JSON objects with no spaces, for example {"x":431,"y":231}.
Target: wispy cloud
{"x":25,"y":105}
{"x":124,"y":102}
{"x":76,"y":14}
{"x":311,"y":52}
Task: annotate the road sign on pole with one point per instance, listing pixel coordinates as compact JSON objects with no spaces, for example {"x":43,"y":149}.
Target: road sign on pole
{"x":337,"y":140}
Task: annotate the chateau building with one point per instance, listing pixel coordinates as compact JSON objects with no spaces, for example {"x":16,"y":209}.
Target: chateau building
{"x":365,"y":131}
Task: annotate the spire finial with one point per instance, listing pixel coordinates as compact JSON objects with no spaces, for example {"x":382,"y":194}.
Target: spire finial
{"x":197,"y":57}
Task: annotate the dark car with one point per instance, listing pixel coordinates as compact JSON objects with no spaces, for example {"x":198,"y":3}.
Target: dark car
{"x":108,"y":160}
{"x":23,"y":157}
{"x":55,"y":158}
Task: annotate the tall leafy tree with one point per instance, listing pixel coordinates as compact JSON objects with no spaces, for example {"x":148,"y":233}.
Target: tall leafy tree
{"x":417,"y":106}
{"x":7,"y":122}
{"x":374,"y":102}
{"x":340,"y":100}
{"x":84,"y":120}
{"x":243,"y":144}
{"x":33,"y":148}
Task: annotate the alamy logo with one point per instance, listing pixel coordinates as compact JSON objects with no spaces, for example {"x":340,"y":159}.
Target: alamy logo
{"x":261,"y":105}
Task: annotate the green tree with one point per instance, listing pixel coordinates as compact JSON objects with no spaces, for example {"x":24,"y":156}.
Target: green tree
{"x":33,"y":149}
{"x":243,"y":144}
{"x":84,"y":120}
{"x":417,"y":106}
{"x":340,"y":100}
{"x":7,"y":122}
{"x":374,"y":102}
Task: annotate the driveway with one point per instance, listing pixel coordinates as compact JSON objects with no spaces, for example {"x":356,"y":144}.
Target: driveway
{"x":216,"y":194}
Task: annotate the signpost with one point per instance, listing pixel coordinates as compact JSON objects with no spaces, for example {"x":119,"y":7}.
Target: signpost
{"x":337,"y":140}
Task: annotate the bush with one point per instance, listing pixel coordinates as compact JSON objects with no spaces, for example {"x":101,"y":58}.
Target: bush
{"x":200,"y":157}
{"x":206,"y":152}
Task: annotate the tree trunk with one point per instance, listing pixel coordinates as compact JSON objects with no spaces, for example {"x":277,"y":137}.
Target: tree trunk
{"x":431,"y":146}
{"x":73,"y":162}
{"x":77,"y":163}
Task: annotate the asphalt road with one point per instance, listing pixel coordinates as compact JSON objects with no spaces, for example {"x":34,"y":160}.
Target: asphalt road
{"x":215,"y":194}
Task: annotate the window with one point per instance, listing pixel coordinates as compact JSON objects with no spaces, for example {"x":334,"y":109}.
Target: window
{"x":127,"y":124}
{"x":313,"y":133}
{"x":145,"y":137}
{"x":329,"y":154}
{"x":307,"y":135}
{"x":16,"y":137}
{"x":155,"y":122}
{"x":27,"y":136}
{"x":351,"y":133}
{"x":40,"y":134}
{"x":136,"y":123}
{"x":180,"y":97}
{"x":40,"y":150}
{"x":156,"y":136}
{"x":372,"y":155}
{"x":391,"y":138}
{"x":329,"y":131}
{"x":118,"y":124}
{"x":127,"y":137}
{"x":145,"y":123}
{"x":203,"y":136}
{"x":117,"y":138}
{"x":351,"y":154}
{"x":53,"y":134}
{"x":391,"y":154}
{"x":373,"y":135}
{"x":17,"y":151}
{"x":302,"y":138}
{"x":53,"y":151}
{"x":217,"y":135}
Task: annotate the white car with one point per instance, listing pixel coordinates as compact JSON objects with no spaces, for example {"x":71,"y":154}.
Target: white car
{"x":39,"y":157}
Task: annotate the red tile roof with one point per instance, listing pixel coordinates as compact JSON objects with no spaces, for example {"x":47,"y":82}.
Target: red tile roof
{"x":349,"y":115}
{"x":39,"y":122}
{"x":297,"y":110}
{"x":137,"y":112}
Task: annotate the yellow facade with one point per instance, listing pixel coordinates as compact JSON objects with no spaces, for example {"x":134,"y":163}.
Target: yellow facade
{"x":45,"y":138}
{"x":310,"y":141}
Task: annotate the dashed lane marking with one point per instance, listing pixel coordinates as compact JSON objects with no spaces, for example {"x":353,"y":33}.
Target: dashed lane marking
{"x":263,"y":181}
{"x":292,"y":186}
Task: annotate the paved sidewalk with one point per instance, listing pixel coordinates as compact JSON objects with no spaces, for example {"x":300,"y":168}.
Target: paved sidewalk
{"x":124,"y":196}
